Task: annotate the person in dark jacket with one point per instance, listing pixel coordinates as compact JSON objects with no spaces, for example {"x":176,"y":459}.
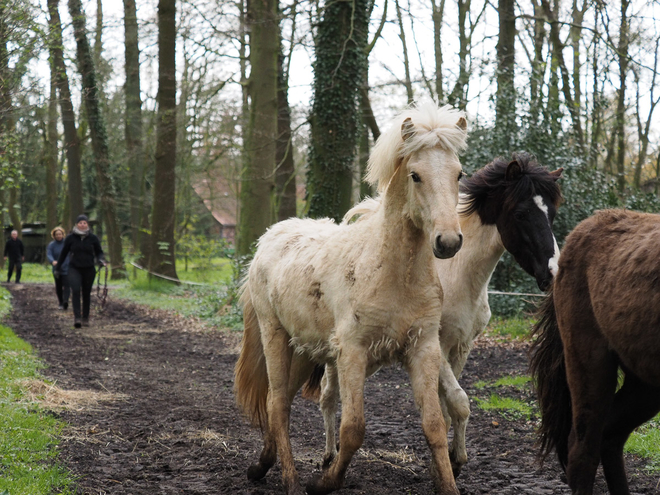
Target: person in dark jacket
{"x":85,"y":251}
{"x":14,"y":251}
{"x":53,"y":254}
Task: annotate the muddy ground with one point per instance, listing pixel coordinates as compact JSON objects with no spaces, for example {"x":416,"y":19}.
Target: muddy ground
{"x":158,"y":414}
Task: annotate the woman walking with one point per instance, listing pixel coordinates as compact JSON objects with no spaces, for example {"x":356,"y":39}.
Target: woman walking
{"x":85,"y":250}
{"x":53,"y":254}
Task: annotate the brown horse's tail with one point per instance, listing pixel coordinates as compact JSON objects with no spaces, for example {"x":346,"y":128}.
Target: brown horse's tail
{"x":250,"y":375}
{"x":548,"y":369}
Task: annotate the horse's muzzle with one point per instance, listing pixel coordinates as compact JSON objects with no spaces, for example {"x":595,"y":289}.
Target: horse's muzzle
{"x":446,"y":248}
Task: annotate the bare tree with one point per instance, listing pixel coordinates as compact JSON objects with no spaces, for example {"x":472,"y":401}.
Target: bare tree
{"x":97,"y":130}
{"x":162,"y":258}
{"x":133,"y":127}
{"x":257,"y":178}
{"x":71,"y":139}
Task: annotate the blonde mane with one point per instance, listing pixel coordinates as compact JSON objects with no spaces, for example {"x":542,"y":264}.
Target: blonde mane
{"x":434,"y":127}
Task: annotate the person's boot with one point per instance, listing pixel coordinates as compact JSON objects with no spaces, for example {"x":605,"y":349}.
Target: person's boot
{"x":77,"y":322}
{"x":85,"y":321}
{"x":65,"y":306}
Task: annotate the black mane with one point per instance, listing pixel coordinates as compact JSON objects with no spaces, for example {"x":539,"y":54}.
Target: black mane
{"x":490,"y":185}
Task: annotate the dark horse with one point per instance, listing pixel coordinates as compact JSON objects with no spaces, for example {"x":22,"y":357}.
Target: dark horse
{"x":602,"y":315}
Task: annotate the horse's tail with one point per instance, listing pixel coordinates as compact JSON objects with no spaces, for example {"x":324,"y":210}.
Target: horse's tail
{"x":548,"y":368}
{"x":312,"y":388}
{"x":250,"y":375}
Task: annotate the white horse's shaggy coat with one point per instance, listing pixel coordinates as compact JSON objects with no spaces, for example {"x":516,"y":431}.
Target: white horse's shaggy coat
{"x":356,"y":297}
{"x":466,"y":312}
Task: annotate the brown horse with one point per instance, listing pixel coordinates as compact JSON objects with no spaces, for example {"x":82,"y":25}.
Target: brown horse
{"x":602,"y":315}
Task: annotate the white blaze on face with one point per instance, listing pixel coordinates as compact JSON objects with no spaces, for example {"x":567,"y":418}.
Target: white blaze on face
{"x":553,"y":263}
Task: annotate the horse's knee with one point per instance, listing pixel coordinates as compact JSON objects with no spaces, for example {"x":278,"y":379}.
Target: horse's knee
{"x":458,"y":404}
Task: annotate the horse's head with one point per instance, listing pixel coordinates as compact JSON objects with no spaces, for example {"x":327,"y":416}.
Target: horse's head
{"x":522,"y":202}
{"x":416,"y":161}
{"x":433,"y":175}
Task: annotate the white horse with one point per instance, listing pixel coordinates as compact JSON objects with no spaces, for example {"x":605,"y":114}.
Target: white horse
{"x":357,"y":297}
{"x":505,"y":205}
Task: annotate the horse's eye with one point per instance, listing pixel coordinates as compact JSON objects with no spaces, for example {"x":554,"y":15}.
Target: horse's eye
{"x":461,"y":174}
{"x":415,"y":177}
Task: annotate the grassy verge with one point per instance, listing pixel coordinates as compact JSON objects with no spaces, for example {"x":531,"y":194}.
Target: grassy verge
{"x":28,"y":434}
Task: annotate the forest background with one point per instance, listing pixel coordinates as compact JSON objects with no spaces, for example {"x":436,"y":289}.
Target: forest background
{"x":189,"y":127}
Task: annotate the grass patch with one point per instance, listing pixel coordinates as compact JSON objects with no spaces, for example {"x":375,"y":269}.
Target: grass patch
{"x":516,"y":328}
{"x":28,"y":434}
{"x":509,"y":408}
{"x":645,"y":442}
{"x":37,"y":273}
{"x":516,"y":381}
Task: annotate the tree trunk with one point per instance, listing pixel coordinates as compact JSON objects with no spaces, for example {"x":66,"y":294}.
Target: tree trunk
{"x":162,"y":255}
{"x":622,"y":52}
{"x":406,"y":62}
{"x":285,"y":175}
{"x":7,"y":123}
{"x":257,"y":179}
{"x":99,"y":137}
{"x":438,"y":12}
{"x":338,"y":75}
{"x":51,"y":154}
{"x":458,"y":96}
{"x":557,"y":47}
{"x":133,"y":127}
{"x":538,"y":65}
{"x":597,"y":104}
{"x":71,"y":139}
{"x":505,"y":102}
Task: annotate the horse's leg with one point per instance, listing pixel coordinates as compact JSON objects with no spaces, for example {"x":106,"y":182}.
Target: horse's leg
{"x":635,"y":403}
{"x":591,"y":371}
{"x":425,"y":364}
{"x":278,"y":355}
{"x":458,"y":408}
{"x":329,"y":402}
{"x":351,"y":369}
{"x":300,"y":368}
{"x":455,"y":406}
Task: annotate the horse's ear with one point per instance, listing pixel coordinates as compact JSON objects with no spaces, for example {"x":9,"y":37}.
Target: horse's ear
{"x":513,"y":171}
{"x":557,"y":173}
{"x":407,"y":129}
{"x":462,"y":124}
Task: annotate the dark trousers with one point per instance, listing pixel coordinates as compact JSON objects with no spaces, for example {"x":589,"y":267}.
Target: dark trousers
{"x":62,"y":289}
{"x":81,"y":280}
{"x":10,"y":270}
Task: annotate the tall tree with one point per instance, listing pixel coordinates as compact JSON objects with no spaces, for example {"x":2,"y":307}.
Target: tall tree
{"x":133,"y":127}
{"x":71,"y":139}
{"x":407,"y":82}
{"x":162,"y":256}
{"x":438,"y":12}
{"x":10,"y":174}
{"x":505,"y":102}
{"x":338,"y":74}
{"x":458,"y":95}
{"x":257,"y":179}
{"x":620,"y":125}
{"x":285,"y":172}
{"x":97,"y":131}
{"x":50,"y":158}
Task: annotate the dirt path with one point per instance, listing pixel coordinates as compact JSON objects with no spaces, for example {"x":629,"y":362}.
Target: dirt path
{"x":168,"y":424}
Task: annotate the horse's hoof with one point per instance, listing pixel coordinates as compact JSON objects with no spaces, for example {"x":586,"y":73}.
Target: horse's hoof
{"x":319,"y":485}
{"x":455,"y":465}
{"x":257,"y":471}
